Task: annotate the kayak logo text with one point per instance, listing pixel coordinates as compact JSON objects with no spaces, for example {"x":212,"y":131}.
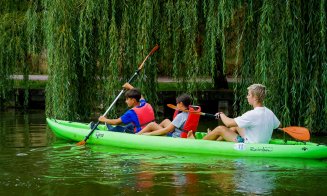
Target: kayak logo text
{"x":262,"y":149}
{"x":98,"y":135}
{"x":239,"y":146}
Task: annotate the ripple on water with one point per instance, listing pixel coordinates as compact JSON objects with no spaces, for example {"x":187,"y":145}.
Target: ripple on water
{"x":21,"y":154}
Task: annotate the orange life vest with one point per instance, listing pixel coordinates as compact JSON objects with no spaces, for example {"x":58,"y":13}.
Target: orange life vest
{"x":144,"y":114}
{"x":192,"y":121}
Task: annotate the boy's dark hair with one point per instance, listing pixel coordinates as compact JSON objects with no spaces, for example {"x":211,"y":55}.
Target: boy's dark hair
{"x":185,"y":99}
{"x":133,"y":93}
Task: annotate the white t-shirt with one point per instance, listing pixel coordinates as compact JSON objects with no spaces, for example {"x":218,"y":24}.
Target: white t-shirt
{"x":258,"y":124}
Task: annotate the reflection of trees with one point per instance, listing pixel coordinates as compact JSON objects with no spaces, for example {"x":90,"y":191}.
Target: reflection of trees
{"x":23,"y":130}
{"x":224,"y":182}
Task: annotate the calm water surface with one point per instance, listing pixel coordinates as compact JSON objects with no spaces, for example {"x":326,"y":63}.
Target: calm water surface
{"x":34,"y":162}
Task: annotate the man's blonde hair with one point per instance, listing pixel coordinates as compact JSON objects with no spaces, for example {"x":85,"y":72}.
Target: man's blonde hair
{"x":259,"y":91}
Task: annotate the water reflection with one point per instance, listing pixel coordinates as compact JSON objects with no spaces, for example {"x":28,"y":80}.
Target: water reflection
{"x":34,"y":162}
{"x":153,"y":172}
{"x":20,"y":130}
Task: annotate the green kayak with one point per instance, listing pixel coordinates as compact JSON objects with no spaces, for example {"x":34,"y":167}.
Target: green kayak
{"x":76,"y":131}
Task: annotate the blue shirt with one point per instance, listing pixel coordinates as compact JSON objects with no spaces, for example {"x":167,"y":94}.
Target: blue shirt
{"x":131,"y":117}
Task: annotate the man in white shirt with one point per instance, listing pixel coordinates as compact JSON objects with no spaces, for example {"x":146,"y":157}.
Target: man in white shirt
{"x":254,"y":126}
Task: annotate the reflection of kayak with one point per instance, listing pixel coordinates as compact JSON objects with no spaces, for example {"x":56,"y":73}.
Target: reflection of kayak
{"x":277,"y":148}
{"x":161,"y":158}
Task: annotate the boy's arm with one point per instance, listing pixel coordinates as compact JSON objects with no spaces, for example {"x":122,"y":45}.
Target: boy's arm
{"x":128,"y":86}
{"x":110,"y":121}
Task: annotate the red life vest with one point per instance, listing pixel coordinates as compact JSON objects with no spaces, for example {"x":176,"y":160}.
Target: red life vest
{"x":192,"y":121}
{"x":144,"y":114}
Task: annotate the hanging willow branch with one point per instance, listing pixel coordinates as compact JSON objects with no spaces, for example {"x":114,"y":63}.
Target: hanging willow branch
{"x":109,"y":55}
{"x":61,"y":31}
{"x":93,"y":46}
{"x":13,"y":47}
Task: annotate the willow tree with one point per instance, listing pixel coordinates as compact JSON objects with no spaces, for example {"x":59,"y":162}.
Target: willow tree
{"x":61,"y":38}
{"x":146,"y":25}
{"x":94,"y":46}
{"x":13,"y":47}
{"x":285,"y":49}
{"x":108,"y":49}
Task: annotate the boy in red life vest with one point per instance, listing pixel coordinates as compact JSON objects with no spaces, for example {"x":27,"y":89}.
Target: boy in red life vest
{"x":167,"y":127}
{"x":140,"y":114}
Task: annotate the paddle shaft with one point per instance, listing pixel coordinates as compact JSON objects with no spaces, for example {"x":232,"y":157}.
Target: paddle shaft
{"x":118,"y":96}
{"x":112,"y":104}
{"x":200,"y":113}
{"x":209,"y":115}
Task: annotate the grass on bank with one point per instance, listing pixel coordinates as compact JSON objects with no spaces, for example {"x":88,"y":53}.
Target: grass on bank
{"x":32,"y":84}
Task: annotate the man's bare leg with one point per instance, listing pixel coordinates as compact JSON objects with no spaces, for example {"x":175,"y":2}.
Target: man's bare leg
{"x":221,"y":132}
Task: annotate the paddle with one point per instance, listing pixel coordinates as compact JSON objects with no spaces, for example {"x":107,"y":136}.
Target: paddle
{"x":200,"y":113}
{"x":299,"y":133}
{"x":121,"y":92}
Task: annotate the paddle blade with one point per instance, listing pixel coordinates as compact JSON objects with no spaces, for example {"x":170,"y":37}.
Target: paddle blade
{"x":152,"y":51}
{"x":299,"y":133}
{"x":156,"y":47}
{"x":81,"y":143}
{"x":172,"y":106}
{"x":175,"y":108}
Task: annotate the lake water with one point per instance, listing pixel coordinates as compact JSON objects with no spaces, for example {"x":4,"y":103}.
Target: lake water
{"x":34,"y":162}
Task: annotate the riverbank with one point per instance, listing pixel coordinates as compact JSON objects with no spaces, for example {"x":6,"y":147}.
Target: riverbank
{"x":211,"y":100}
{"x":160,"y":79}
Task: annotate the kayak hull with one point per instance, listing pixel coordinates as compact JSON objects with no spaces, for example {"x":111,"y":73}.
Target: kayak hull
{"x":276,"y":148}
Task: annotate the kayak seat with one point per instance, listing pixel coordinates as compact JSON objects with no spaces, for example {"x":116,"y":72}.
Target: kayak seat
{"x":99,"y":127}
{"x":192,"y":121}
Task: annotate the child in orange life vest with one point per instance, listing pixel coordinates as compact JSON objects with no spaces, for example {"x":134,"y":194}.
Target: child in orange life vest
{"x":167,"y":127}
{"x":140,"y":114}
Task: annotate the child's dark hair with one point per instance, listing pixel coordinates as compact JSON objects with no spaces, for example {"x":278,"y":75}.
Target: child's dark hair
{"x":185,"y":99}
{"x":133,"y":93}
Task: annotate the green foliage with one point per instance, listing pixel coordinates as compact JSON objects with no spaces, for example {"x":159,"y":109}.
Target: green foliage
{"x":62,"y":41}
{"x":109,"y":55}
{"x":285,"y":49}
{"x":94,"y":46}
{"x":12,"y":45}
